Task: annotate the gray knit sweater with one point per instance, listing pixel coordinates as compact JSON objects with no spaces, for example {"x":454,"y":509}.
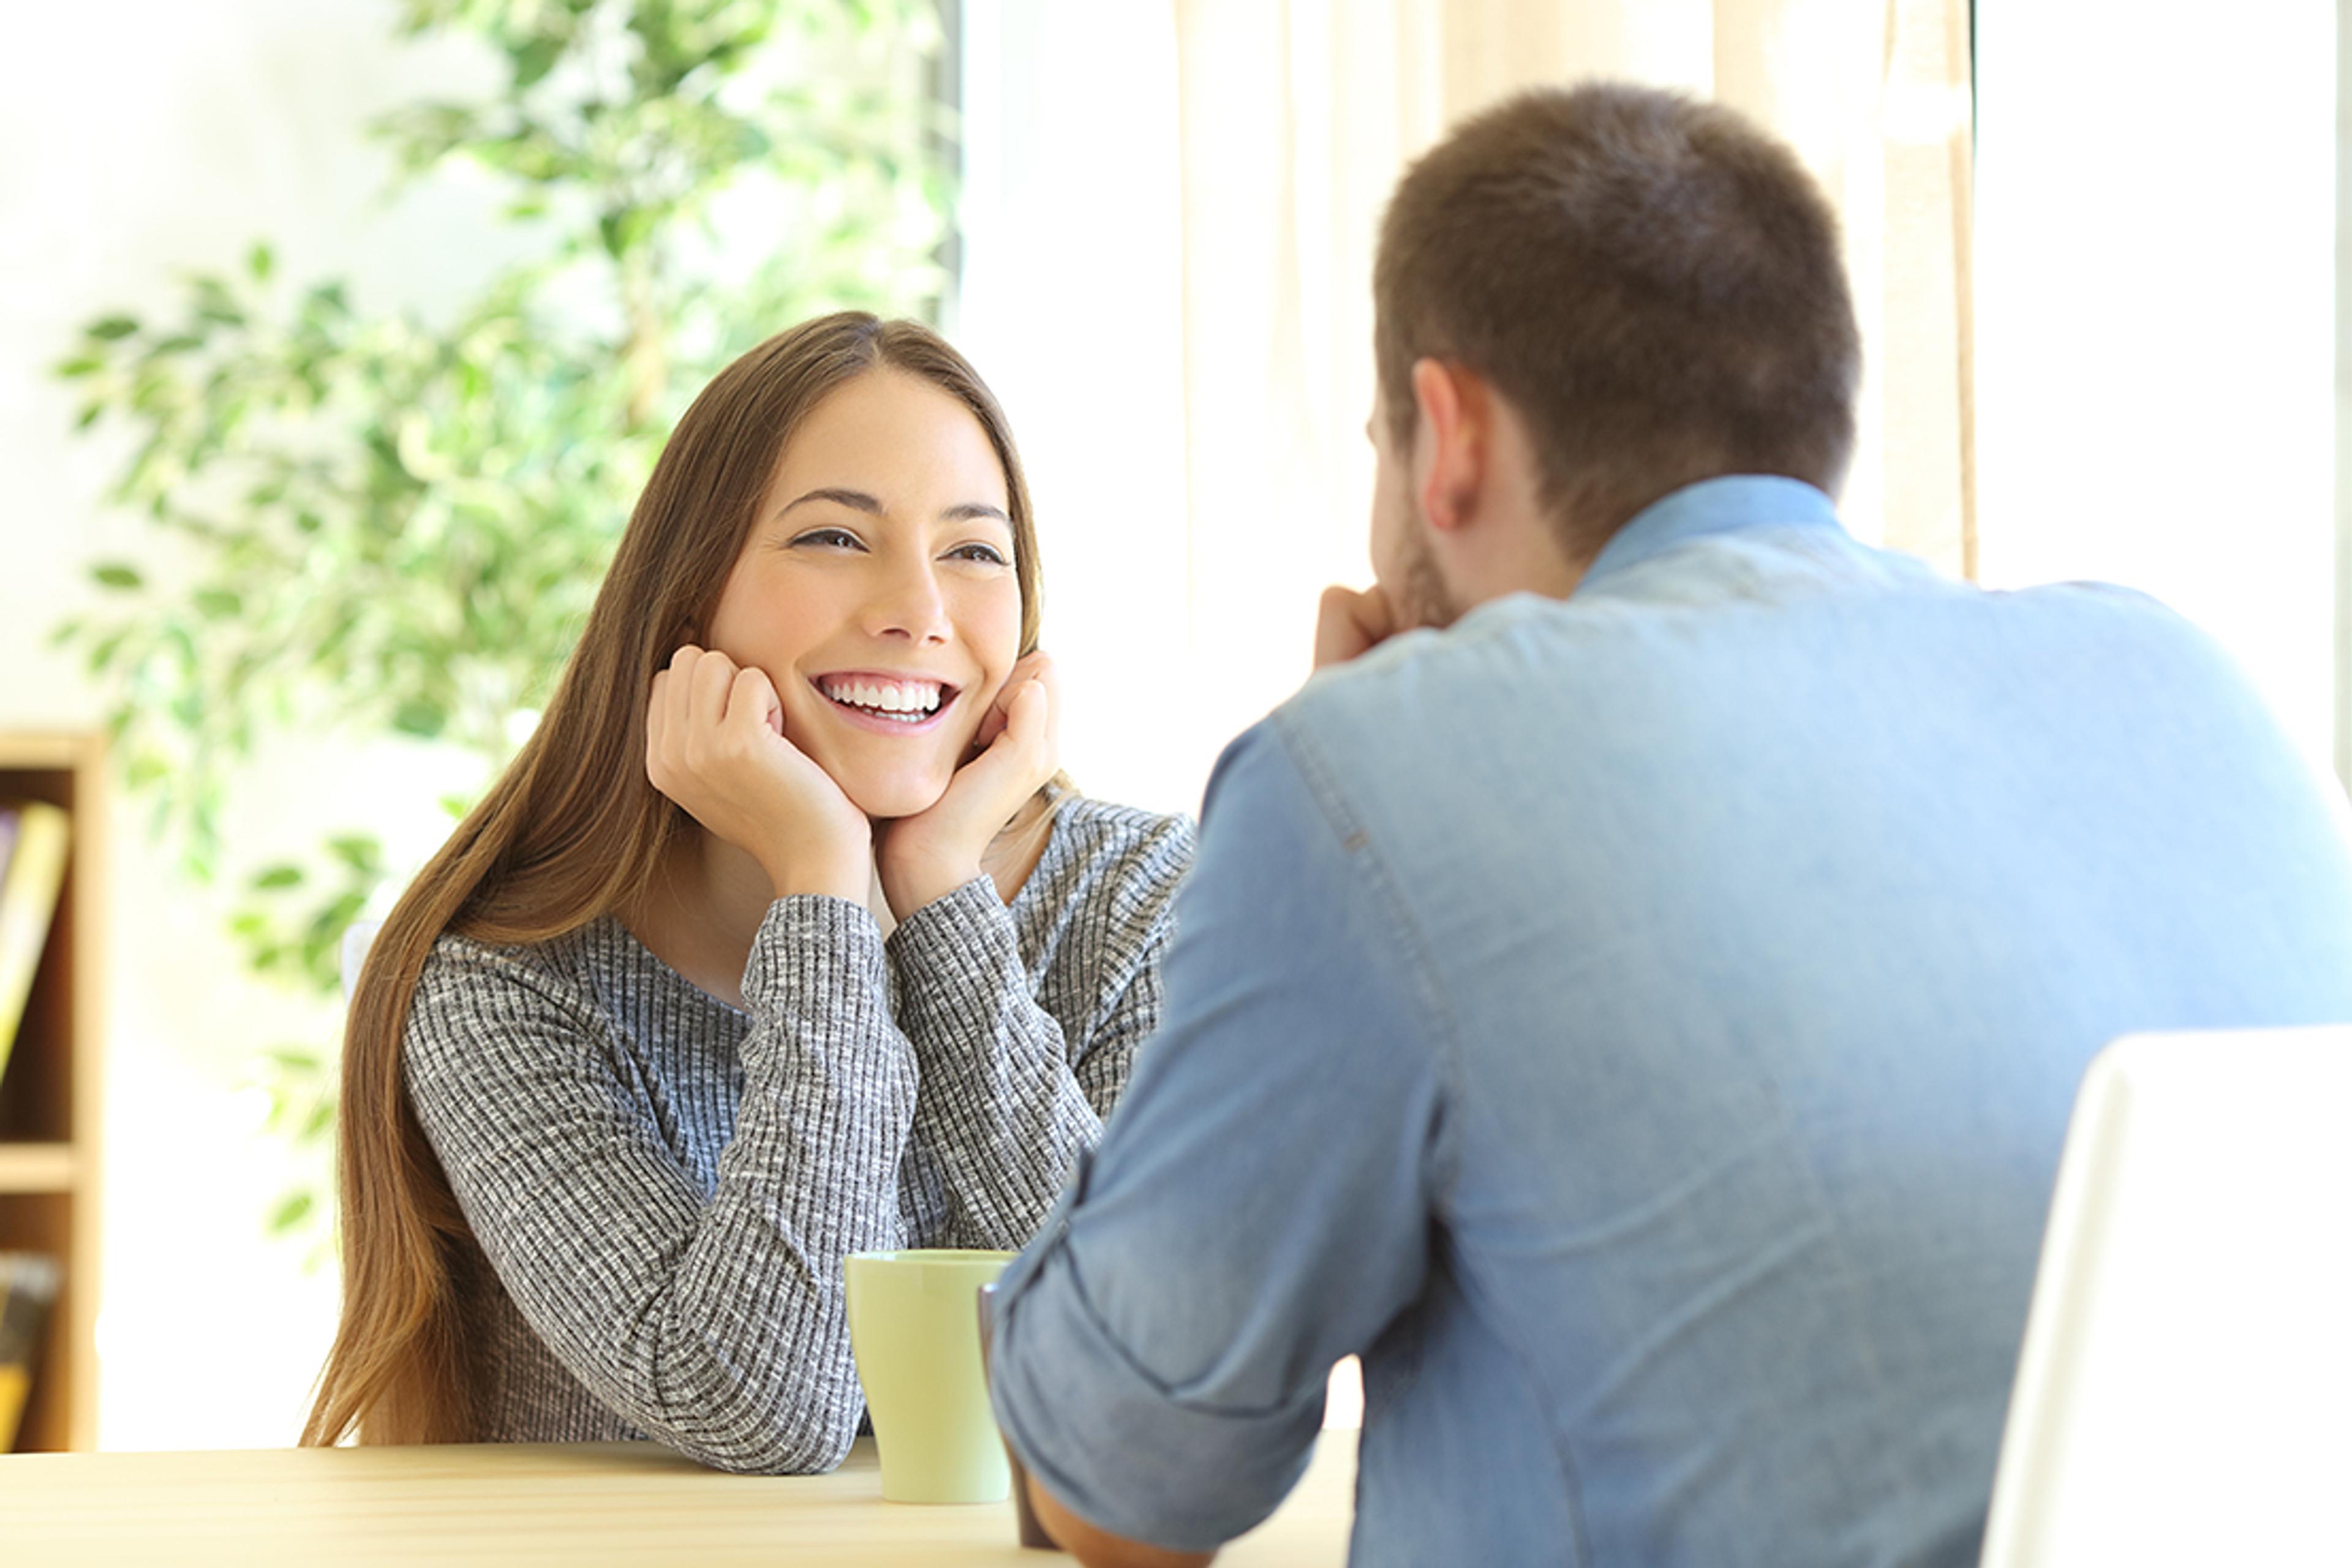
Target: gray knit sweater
{"x":666,"y":1186}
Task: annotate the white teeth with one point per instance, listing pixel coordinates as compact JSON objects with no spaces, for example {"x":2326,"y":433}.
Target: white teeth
{"x":908,"y":699}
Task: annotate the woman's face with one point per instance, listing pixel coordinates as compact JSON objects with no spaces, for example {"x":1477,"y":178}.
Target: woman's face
{"x":876,"y":589}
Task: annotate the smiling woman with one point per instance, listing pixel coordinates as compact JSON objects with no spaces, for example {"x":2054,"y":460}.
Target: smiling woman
{"x":882,"y":588}
{"x":783,"y":938}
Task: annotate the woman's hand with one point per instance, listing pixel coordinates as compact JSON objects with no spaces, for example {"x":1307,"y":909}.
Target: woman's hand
{"x":939,"y":849}
{"x":715,"y":744}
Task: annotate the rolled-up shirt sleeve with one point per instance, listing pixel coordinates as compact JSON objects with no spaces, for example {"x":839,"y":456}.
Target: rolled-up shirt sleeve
{"x":1261,"y":1202}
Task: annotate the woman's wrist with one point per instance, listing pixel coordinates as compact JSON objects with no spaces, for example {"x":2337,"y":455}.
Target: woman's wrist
{"x":910,"y":884}
{"x":837,"y":874}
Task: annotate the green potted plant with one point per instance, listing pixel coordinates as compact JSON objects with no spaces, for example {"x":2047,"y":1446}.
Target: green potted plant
{"x":394,"y":524}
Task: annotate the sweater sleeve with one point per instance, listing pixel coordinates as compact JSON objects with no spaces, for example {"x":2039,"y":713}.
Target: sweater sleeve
{"x":1008,"y":1098}
{"x":716,"y":1325}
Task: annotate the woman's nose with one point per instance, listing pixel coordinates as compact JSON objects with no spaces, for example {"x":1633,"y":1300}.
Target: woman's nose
{"x":907,"y":602}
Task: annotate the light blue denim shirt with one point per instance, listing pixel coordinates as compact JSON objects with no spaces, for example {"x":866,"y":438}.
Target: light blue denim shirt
{"x":1644,"y":1025}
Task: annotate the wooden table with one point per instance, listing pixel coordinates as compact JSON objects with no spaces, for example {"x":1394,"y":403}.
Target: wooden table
{"x":529,"y":1502}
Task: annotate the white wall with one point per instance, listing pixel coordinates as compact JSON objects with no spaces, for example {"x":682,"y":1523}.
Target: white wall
{"x":1069,"y":309}
{"x":2154,"y":314}
{"x":137,"y":139}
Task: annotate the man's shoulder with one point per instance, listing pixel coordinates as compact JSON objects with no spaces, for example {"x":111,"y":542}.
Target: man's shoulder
{"x":1609,"y":693}
{"x":1469,"y":676}
{"x":1639,"y":634}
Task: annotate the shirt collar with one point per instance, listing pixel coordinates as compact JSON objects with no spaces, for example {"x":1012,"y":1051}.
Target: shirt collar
{"x":1713,"y":506}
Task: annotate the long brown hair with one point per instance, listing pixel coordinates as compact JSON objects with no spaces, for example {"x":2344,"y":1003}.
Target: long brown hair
{"x":572,"y":831}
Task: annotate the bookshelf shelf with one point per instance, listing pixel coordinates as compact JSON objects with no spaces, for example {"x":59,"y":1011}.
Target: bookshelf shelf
{"x":37,"y":1167}
{"x":49,"y":1120}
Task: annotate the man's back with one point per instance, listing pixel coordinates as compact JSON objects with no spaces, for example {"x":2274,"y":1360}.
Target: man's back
{"x":1654,"y":1016}
{"x":1780,"y":892}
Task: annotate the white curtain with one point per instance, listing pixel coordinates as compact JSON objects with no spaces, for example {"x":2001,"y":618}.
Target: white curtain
{"x":1297,"y":116}
{"x":1172,"y":210}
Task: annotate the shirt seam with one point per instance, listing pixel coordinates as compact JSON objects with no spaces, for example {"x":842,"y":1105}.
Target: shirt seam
{"x":1322,"y":787}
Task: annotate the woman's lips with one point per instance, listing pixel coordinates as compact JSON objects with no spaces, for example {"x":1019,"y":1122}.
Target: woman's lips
{"x":881,"y":720}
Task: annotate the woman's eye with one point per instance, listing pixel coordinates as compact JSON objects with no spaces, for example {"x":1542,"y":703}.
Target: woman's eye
{"x":828,"y":538}
{"x":987,"y":553}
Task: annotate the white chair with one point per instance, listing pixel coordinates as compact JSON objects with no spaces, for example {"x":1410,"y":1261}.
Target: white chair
{"x":2184,"y":1395}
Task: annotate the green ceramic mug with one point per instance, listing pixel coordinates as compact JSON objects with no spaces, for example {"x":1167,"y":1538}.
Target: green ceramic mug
{"x":918,"y":1348}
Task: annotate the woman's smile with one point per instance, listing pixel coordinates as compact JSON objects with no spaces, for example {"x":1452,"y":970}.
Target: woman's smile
{"x":887,"y":704}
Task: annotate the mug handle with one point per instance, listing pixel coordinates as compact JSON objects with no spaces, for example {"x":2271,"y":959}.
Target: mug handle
{"x":1032,"y":1534}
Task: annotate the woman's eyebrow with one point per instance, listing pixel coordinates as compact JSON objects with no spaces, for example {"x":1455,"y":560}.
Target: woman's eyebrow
{"x":858,"y":500}
{"x":855,"y":501}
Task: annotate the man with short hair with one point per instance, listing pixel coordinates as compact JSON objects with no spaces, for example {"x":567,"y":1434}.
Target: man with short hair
{"x":1638,"y":1011}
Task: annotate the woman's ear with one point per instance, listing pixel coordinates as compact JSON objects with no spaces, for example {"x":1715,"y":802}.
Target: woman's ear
{"x":1453,"y":440}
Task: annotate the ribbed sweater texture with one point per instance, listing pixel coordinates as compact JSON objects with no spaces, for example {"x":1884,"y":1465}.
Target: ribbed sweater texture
{"x":665,"y":1186}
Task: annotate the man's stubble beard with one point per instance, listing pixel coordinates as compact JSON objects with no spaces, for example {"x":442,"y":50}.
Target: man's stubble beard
{"x":1428,"y":602}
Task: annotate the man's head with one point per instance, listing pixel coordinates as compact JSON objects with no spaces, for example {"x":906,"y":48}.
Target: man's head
{"x":1587,"y":300}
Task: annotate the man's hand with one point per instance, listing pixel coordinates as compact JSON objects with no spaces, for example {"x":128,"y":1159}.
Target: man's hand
{"x":1099,"y":1548}
{"x":939,"y":849}
{"x":715,"y":744}
{"x":1349,"y":623}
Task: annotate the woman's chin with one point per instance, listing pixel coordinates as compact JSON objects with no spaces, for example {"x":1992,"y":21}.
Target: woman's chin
{"x":887,"y":799}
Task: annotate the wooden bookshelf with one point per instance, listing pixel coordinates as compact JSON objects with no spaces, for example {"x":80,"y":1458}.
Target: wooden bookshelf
{"x":49,"y":1094}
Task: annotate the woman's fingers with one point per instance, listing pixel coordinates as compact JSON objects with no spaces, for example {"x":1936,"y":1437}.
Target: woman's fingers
{"x":753,"y":708}
{"x":657,"y":716}
{"x":1029,"y":717}
{"x":713,"y":678}
{"x":1016,"y":762}
{"x":715,"y":744}
{"x":1034,"y":669}
{"x":1049,"y":681}
{"x":689,"y":709}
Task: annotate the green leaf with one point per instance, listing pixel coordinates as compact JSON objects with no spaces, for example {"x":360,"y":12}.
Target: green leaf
{"x":362,"y":852}
{"x":381,"y":521}
{"x":115,"y":574}
{"x":280,"y":875}
{"x":290,"y":1211}
{"x":425,"y":720}
{"x":534,"y":58}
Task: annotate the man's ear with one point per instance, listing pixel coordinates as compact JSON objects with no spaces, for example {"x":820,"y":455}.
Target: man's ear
{"x":1456,"y":431}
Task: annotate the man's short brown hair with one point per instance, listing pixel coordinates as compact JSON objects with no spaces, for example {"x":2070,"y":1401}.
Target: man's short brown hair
{"x":1652,"y":282}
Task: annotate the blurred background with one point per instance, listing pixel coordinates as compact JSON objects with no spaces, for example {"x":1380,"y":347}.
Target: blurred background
{"x":338,"y":335}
